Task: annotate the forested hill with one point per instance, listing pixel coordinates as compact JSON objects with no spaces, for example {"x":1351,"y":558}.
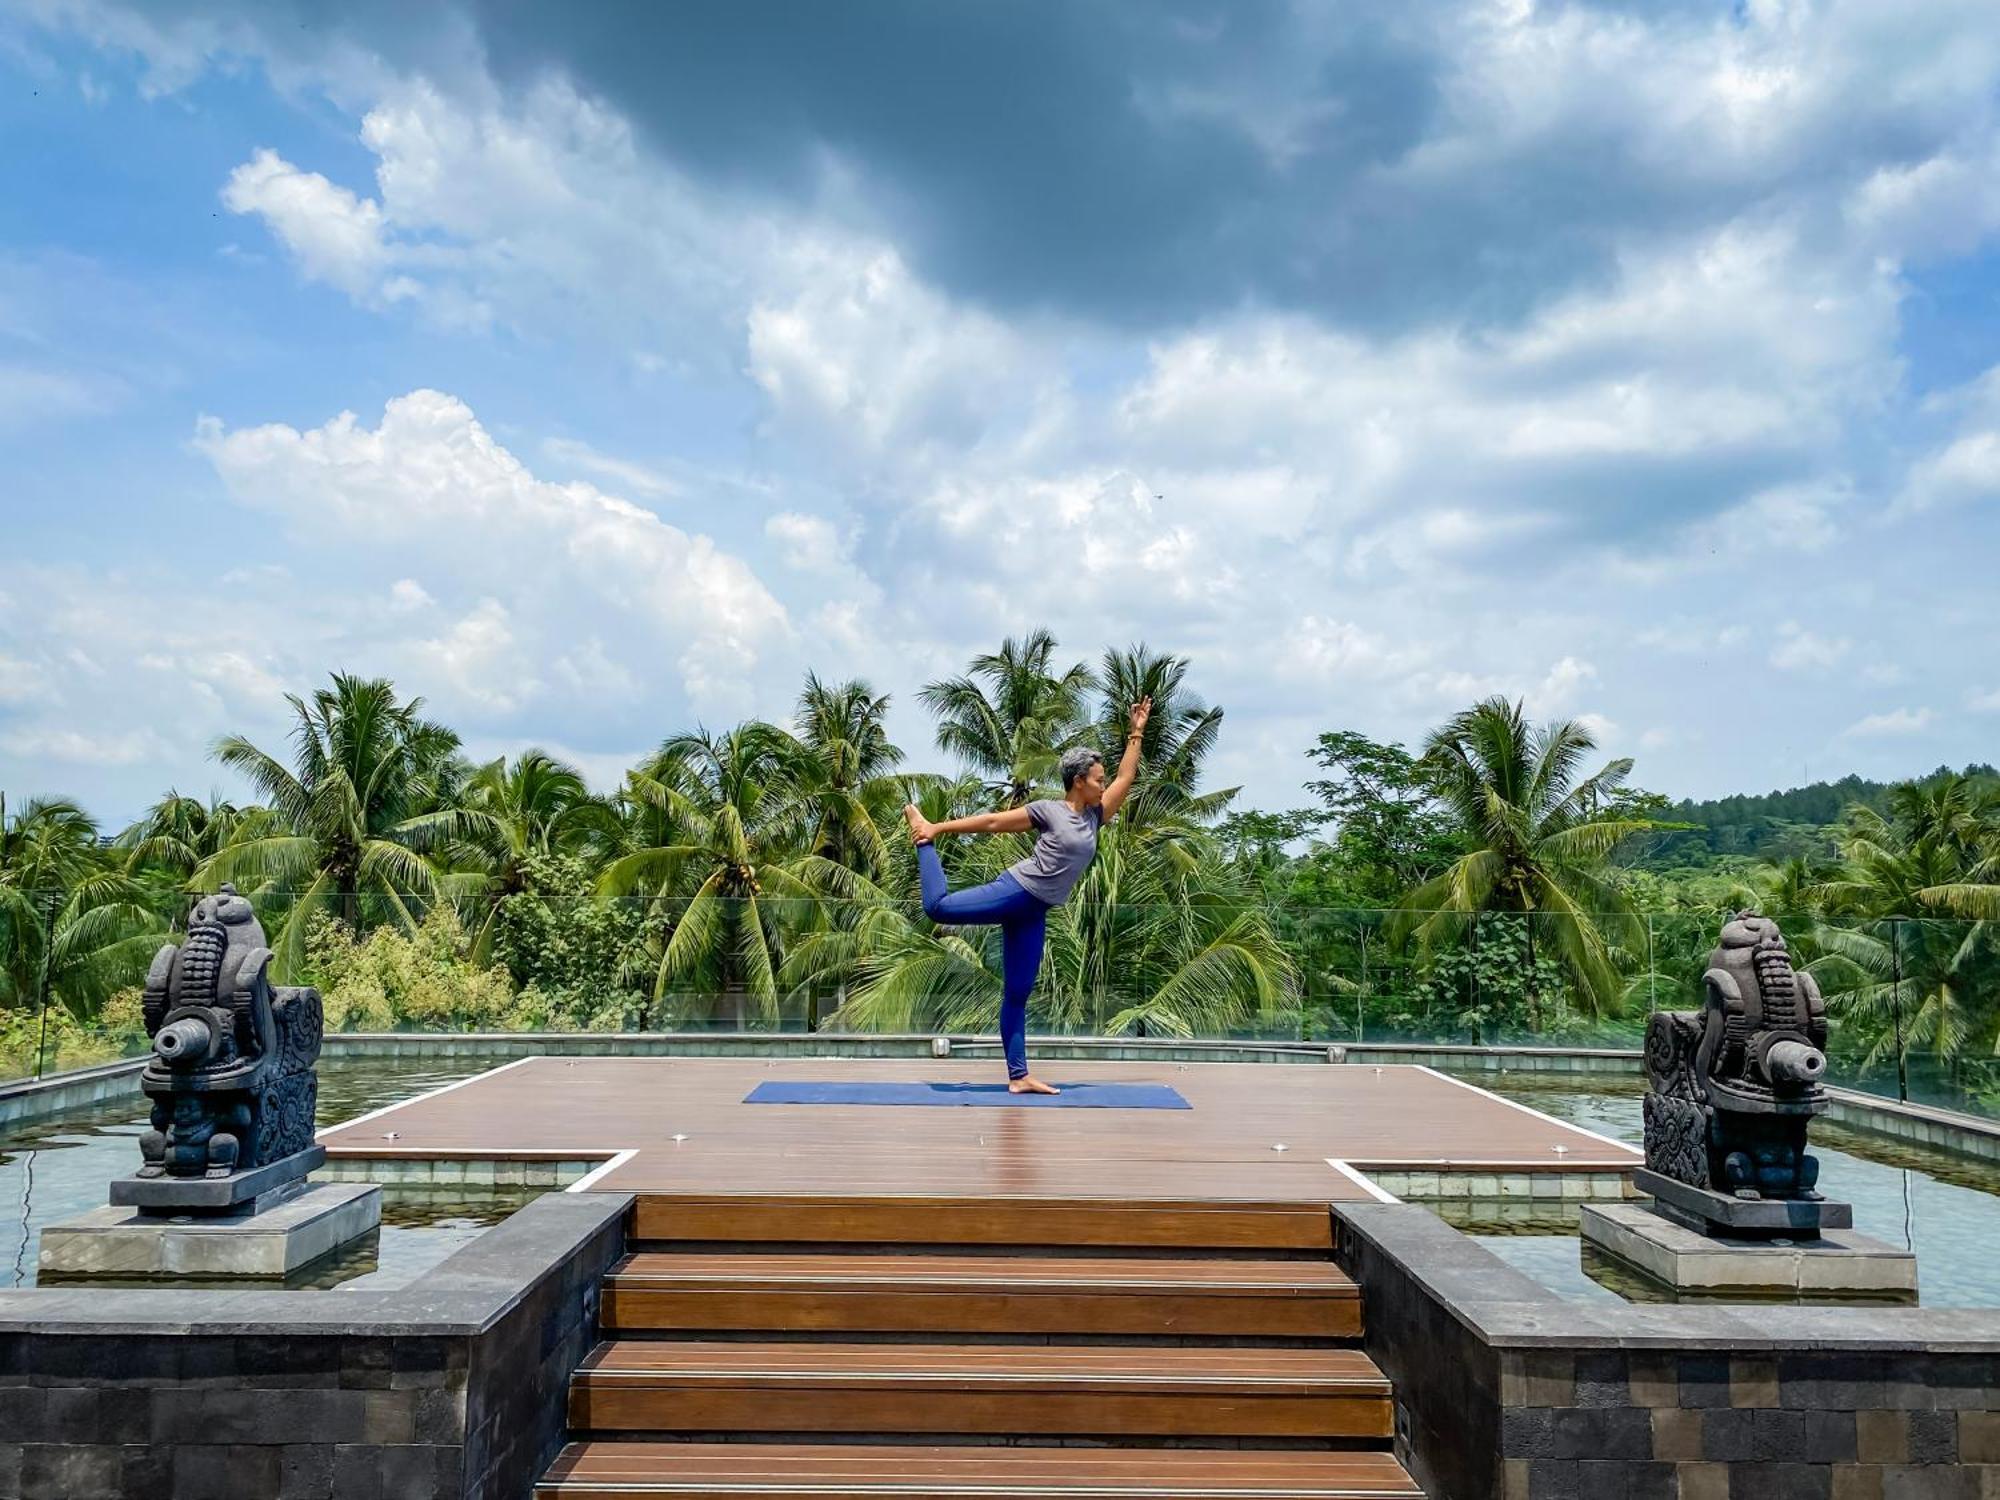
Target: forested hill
{"x":1775,"y":825}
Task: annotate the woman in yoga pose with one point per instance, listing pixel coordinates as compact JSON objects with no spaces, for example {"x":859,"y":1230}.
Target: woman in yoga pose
{"x":1019,"y":901}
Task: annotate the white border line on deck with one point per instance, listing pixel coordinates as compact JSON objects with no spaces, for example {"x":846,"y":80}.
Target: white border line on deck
{"x":1379,"y":1194}
{"x":612,"y":1163}
{"x":376,"y":1114}
{"x":1524,"y":1109}
{"x":1485,"y":1165}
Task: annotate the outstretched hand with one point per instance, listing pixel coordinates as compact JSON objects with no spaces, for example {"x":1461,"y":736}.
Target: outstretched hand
{"x":1141,"y":712}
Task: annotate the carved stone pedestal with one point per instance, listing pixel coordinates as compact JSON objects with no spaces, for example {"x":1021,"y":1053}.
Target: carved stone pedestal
{"x":311,"y":1222}
{"x":1708,"y":1212}
{"x":256,"y":1189}
{"x":1834,"y":1263}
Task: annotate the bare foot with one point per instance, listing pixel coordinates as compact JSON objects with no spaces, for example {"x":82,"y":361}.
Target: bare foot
{"x":1030,"y":1085}
{"x":920,"y":828}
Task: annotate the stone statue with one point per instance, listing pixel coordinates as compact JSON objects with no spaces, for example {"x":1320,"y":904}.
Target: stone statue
{"x":231,"y":1077}
{"x":222,"y":1190}
{"x":1731,"y":1090}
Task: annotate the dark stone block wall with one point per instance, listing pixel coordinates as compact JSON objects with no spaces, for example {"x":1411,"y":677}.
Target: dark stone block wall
{"x":1447,"y":1379}
{"x":1507,"y":1392}
{"x":1819,"y":1425}
{"x":453,"y":1387}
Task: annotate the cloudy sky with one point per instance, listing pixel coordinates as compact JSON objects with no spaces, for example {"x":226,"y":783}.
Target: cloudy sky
{"x":596,"y":370}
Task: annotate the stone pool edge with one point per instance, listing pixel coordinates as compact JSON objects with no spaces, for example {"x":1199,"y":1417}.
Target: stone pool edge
{"x":453,"y":1385}
{"x":1505,"y":1388}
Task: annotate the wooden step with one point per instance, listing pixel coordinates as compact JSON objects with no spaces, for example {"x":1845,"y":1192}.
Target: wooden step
{"x":651,"y":1385}
{"x":980,"y":1294}
{"x":764,"y":1471}
{"x":668,"y":1218}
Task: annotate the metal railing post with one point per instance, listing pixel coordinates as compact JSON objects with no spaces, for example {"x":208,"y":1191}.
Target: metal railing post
{"x":1896,"y":1007}
{"x":1361,"y":995}
{"x":50,"y":900}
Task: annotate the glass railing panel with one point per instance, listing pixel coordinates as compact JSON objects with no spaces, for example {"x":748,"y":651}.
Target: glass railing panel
{"x":1907,"y":997}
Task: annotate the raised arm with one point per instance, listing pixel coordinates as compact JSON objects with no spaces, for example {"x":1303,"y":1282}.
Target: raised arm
{"x":1128,"y":764}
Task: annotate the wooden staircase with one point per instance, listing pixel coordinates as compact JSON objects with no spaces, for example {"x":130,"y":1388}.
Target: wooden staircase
{"x":839,"y":1349}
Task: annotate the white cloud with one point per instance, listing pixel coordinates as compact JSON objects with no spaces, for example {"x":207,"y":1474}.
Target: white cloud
{"x":1327,"y":650}
{"x":1983,"y":700}
{"x":542,"y":208}
{"x":407,"y":596}
{"x":29,"y":395}
{"x":635,"y":477}
{"x":1425,"y":510}
{"x":1599,"y":728}
{"x":1686,"y":637}
{"x":1894,"y":723}
{"x":429,"y":477}
{"x":809,"y":543}
{"x":1944,"y":205}
{"x":1804,"y":516}
{"x":1966,"y":470}
{"x":590,"y":671}
{"x":867,"y":359}
{"x":1552,"y":695}
{"x":21,"y":681}
{"x":479,"y":657}
{"x":73,"y":747}
{"x":1566,"y":678}
{"x":1800,"y":650}
{"x":335,"y":236}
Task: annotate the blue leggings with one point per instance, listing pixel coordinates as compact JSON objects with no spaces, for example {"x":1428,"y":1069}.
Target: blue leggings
{"x":1022,"y":920}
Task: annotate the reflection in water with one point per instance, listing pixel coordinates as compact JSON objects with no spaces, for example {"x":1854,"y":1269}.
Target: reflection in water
{"x":1942,"y":1207}
{"x":54,"y":1170}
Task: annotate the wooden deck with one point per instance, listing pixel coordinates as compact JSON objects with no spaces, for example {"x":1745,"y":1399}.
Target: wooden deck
{"x":981,"y":1294}
{"x":679,"y":1126}
{"x":849,"y":1302}
{"x":858,"y":1472}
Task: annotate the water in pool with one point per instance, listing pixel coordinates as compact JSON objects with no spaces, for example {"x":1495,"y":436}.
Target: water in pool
{"x":1942,"y":1207}
{"x":57,"y":1169}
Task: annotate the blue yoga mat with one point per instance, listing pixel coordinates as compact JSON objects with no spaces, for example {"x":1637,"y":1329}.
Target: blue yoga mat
{"x":973,"y":1095}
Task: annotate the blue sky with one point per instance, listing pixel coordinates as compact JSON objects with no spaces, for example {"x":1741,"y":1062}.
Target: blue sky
{"x":595,"y":371}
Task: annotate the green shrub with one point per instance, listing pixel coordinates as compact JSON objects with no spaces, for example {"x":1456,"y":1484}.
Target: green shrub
{"x":397,"y":980}
{"x":119,"y":1031}
{"x":565,"y":948}
{"x":1492,"y":983}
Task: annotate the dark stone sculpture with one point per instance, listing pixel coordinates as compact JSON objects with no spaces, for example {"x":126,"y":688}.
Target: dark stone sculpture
{"x":1731,"y":1090}
{"x":231,"y":1077}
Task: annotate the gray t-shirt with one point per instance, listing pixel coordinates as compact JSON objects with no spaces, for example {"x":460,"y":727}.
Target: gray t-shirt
{"x":1063,"y":851}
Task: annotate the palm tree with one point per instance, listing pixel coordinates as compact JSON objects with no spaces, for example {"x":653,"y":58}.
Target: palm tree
{"x":1955,"y":820}
{"x":1179,"y":736}
{"x":179,"y":833}
{"x":848,"y":771}
{"x":48,"y":845}
{"x":1908,"y":921}
{"x":352,"y":815}
{"x":505,"y":817}
{"x":73,"y":925}
{"x":1012,"y":715}
{"x":717,"y":819}
{"x":1539,"y":839}
{"x":1184,"y":948}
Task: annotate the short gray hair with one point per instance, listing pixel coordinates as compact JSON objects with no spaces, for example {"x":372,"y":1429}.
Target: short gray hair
{"x":1076,"y":763}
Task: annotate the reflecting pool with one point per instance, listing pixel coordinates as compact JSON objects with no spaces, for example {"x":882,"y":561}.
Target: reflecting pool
{"x":55,"y":1169}
{"x":1945,"y":1208}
